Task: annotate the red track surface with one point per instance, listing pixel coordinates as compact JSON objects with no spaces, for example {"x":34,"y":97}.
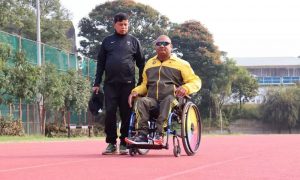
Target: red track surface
{"x":220,"y":157}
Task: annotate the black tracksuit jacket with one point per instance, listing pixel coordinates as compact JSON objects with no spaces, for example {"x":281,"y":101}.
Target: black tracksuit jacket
{"x":117,"y":57}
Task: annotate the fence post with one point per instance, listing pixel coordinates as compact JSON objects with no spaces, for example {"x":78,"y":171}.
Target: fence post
{"x":27,"y":118}
{"x":69,"y":129}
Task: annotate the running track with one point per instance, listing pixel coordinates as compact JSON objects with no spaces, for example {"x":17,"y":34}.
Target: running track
{"x":274,"y":157}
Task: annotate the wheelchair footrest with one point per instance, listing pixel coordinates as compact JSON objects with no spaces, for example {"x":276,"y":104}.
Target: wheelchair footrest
{"x":146,"y":146}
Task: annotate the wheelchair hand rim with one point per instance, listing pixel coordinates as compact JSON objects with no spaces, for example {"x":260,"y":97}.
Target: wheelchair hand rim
{"x":191,"y":129}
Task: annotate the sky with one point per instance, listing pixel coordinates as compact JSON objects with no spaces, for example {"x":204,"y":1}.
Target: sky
{"x":242,"y":28}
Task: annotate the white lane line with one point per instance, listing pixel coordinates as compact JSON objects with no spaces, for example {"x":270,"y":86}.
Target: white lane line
{"x":39,"y":166}
{"x":201,"y":167}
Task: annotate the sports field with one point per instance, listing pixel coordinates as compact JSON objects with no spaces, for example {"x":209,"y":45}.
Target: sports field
{"x":234,"y":157}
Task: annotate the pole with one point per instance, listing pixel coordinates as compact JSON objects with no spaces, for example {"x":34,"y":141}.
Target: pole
{"x":221,"y":121}
{"x":38,"y":33}
{"x":39,"y":63}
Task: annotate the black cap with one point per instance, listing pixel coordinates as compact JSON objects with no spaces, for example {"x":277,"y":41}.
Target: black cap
{"x":96,"y":103}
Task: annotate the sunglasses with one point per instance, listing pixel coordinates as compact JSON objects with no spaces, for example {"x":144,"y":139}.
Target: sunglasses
{"x":162,"y":43}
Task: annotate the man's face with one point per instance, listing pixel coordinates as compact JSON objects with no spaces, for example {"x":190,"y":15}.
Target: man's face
{"x":163,"y":47}
{"x":121,"y":27}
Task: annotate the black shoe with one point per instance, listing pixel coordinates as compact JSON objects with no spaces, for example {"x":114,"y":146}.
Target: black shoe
{"x":139,"y":139}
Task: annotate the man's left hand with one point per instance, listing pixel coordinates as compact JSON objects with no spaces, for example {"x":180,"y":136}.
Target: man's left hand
{"x":181,"y":92}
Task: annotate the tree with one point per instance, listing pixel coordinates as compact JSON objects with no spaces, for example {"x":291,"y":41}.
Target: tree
{"x":221,"y":89}
{"x":55,"y":22}
{"x":194,"y":43}
{"x":5,"y":53}
{"x":77,"y":93}
{"x":281,"y":108}
{"x":145,"y":23}
{"x":23,"y":78}
{"x":63,"y":91}
{"x":244,"y":87}
{"x":51,"y":88}
{"x":18,"y":16}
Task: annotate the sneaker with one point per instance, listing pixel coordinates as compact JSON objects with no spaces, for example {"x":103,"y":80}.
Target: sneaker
{"x":130,"y":140}
{"x":140,"y":139}
{"x":110,"y":149}
{"x":123,"y":149}
{"x":158,"y":139}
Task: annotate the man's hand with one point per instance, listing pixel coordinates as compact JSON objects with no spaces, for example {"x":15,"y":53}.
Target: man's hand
{"x":96,"y":89}
{"x":180,"y":92}
{"x":131,"y":97}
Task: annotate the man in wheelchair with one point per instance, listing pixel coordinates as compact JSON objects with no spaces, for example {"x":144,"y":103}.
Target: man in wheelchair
{"x":165,"y":77}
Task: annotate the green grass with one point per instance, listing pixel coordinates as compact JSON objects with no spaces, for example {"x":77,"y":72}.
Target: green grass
{"x":39,"y":138}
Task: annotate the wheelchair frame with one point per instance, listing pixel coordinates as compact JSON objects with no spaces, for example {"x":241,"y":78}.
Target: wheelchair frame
{"x":190,"y":131}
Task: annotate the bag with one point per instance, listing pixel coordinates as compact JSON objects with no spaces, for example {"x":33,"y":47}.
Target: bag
{"x":96,"y":103}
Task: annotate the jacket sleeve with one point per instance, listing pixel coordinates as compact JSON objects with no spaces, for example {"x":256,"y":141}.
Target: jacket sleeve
{"x":192,"y":83}
{"x":140,"y":61}
{"x":101,"y":60}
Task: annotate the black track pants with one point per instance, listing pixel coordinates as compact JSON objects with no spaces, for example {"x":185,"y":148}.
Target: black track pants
{"x":116,"y":96}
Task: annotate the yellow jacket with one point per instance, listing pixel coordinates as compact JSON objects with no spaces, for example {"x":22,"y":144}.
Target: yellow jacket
{"x":161,"y":79}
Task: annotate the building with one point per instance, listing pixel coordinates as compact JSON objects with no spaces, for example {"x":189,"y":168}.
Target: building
{"x":272,"y":71}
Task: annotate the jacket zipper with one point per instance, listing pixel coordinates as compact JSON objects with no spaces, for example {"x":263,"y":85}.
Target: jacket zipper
{"x":158,"y":80}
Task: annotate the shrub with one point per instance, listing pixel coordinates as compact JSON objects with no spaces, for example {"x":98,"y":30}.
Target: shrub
{"x":98,"y":130}
{"x":11,"y":127}
{"x":55,"y":130}
{"x":249,"y":111}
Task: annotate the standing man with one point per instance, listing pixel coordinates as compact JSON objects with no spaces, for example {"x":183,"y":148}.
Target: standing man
{"x":118,"y":55}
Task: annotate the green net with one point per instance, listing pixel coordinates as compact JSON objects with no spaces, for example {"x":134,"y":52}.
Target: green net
{"x":61,"y":59}
{"x":13,"y":41}
{"x":72,"y":61}
{"x":56,"y":57}
{"x":78,"y":119}
{"x":4,"y":110}
{"x":92,"y":67}
{"x":30,"y":49}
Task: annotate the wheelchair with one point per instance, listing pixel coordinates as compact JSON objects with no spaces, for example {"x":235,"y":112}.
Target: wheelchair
{"x":183,"y":122}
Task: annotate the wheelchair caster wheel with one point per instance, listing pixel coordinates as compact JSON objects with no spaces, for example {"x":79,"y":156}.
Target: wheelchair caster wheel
{"x":176,"y":151}
{"x":142,"y":151}
{"x":132,"y":151}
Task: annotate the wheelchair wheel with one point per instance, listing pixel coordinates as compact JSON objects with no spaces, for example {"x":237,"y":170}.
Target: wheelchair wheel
{"x":191,"y":128}
{"x":132,"y":151}
{"x":176,"y":151}
{"x":142,"y":151}
{"x":176,"y":148}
